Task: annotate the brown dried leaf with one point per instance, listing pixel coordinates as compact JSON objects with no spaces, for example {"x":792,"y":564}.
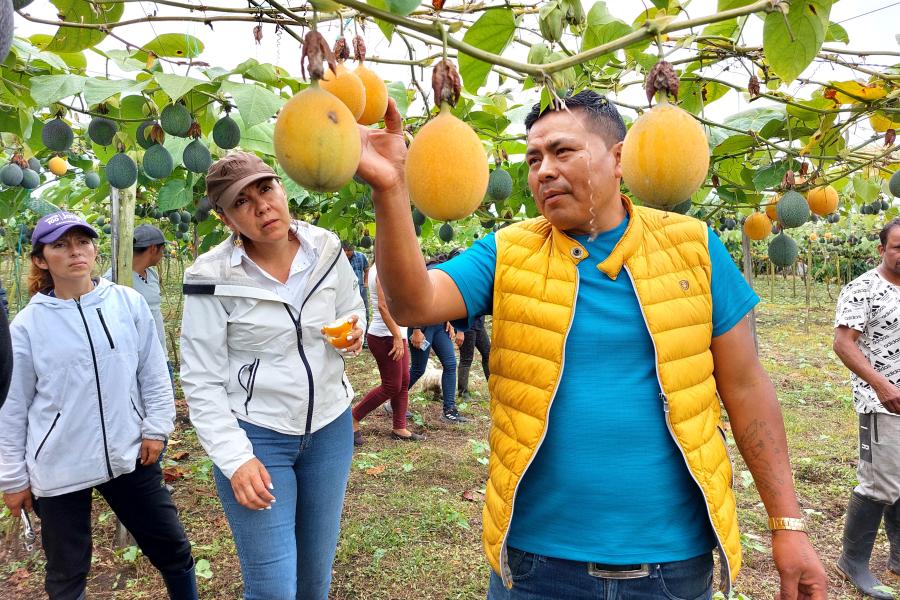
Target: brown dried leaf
{"x":194,"y":130}
{"x":157,"y":134}
{"x":359,"y":49}
{"x":19,"y":160}
{"x":315,"y":51}
{"x":179,"y":455}
{"x":788,"y":182}
{"x":753,"y":86}
{"x":171,"y":474}
{"x":374,"y":471}
{"x":889,"y":136}
{"x":662,"y":78}
{"x":445,"y":83}
{"x":804,"y":168}
{"x":472,"y":495}
{"x":257,"y":33}
{"x":715,"y":180}
{"x":341,"y":49}
{"x":437,"y":4}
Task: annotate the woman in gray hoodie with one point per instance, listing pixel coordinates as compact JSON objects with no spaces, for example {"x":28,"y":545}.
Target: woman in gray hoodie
{"x":89,"y":408}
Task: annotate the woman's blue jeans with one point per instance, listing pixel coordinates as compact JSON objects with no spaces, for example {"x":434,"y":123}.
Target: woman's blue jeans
{"x":286,"y":553}
{"x":537,"y":577}
{"x":443,"y":348}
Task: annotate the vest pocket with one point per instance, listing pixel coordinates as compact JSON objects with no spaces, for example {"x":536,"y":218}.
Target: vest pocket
{"x":46,"y":435}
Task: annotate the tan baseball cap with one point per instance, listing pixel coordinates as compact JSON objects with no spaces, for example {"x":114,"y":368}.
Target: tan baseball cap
{"x":228,"y":176}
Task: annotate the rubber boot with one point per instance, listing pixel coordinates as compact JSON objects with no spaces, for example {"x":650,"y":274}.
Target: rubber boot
{"x":182,"y":586}
{"x":860,"y":529}
{"x":892,"y":526}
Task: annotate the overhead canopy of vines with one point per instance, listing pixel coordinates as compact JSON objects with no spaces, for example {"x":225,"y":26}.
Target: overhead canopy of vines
{"x":798,"y":130}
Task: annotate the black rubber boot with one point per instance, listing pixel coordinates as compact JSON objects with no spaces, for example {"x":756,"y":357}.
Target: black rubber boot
{"x":182,"y":586}
{"x":892,"y":526}
{"x":860,"y":529}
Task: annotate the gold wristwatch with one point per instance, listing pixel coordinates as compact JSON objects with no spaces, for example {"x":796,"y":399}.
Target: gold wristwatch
{"x":789,"y":523}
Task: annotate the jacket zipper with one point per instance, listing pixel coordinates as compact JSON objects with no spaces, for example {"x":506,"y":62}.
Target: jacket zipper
{"x":505,"y":571}
{"x":875,"y":427}
{"x":47,"y":435}
{"x":251,"y":381}
{"x":87,"y":330}
{"x":112,"y":346}
{"x":299,"y":331}
{"x":726,"y":567}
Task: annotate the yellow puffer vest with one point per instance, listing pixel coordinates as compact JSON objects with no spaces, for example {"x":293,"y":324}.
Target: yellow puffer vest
{"x":535,"y":287}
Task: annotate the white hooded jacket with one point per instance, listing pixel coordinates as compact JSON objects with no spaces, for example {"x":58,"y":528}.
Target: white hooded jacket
{"x":247,"y":354}
{"x":89,"y":382}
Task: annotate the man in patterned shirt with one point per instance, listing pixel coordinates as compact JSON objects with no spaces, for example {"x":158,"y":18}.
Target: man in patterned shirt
{"x":867,"y":340}
{"x":360,"y":265}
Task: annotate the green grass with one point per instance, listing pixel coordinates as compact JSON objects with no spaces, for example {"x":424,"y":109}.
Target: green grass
{"x":412,"y":515}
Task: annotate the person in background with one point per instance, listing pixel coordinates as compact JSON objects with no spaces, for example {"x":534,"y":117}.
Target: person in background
{"x":266,"y":390}
{"x":360,"y":265}
{"x":149,"y":245}
{"x":468,"y":340}
{"x":866,"y":339}
{"x":616,"y":331}
{"x":4,"y":301}
{"x":387,"y":342}
{"x":6,"y":357}
{"x":90,"y":408}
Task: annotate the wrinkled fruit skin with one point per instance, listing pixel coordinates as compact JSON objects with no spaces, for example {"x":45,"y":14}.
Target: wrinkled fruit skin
{"x":783,"y":250}
{"x":894,"y":184}
{"x":102,"y":130}
{"x":347,"y":87}
{"x":757,"y":226}
{"x":446,"y":190}
{"x":158,"y":163}
{"x":376,"y":96}
{"x":196,"y":157}
{"x":822,"y":200}
{"x":57,"y":135}
{"x":92,"y":180}
{"x":793,"y":210}
{"x":317,"y":141}
{"x":121,"y":172}
{"x":665,"y":156}
{"x":226,"y":133}
{"x":175,"y":119}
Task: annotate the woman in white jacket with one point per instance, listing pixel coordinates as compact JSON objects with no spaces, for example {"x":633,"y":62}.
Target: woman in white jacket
{"x":89,"y":408}
{"x":266,"y":390}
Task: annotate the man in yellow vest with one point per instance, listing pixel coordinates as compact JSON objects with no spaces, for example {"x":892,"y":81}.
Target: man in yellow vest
{"x":614,"y":328}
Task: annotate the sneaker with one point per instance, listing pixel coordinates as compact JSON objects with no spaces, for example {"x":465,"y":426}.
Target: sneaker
{"x":452,"y":416}
{"x":390,"y":411}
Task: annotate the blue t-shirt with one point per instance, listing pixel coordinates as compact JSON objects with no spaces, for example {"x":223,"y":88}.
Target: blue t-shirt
{"x":608,"y":483}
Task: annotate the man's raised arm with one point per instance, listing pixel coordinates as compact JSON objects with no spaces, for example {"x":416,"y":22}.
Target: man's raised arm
{"x":415,"y":295}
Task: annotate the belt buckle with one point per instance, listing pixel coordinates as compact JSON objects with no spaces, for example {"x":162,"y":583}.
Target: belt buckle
{"x":602,"y":571}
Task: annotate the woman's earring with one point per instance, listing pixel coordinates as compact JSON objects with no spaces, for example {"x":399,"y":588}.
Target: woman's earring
{"x":237,"y":242}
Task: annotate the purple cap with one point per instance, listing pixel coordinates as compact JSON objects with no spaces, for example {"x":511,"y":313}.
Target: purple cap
{"x":52,"y":227}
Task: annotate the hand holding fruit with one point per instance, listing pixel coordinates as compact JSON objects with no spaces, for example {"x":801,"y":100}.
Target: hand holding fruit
{"x":345,"y":335}
{"x":383,"y":152}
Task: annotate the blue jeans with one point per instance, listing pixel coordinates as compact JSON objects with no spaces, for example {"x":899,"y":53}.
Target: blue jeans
{"x":443,"y":348}
{"x":286,"y":553}
{"x":537,"y":577}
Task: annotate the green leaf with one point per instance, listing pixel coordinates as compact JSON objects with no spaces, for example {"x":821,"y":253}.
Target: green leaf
{"x":725,"y":29}
{"x":292,"y":189}
{"x":202,"y":569}
{"x":255,"y":103}
{"x":123,"y":59}
{"x":729,"y":4}
{"x":257,"y":138}
{"x":47,"y":89}
{"x":399,"y":92}
{"x":172,"y":45}
{"x":735,"y":144}
{"x":386,"y":28}
{"x":176,"y":86}
{"x":75,"y":60}
{"x":791,"y":42}
{"x":97,"y":90}
{"x":173,"y":195}
{"x":755,"y":118}
{"x":30,"y":53}
{"x":602,"y":28}
{"x":69,"y":39}
{"x":771,"y":175}
{"x":492,"y":32}
{"x":836,"y":33}
{"x":694,"y":95}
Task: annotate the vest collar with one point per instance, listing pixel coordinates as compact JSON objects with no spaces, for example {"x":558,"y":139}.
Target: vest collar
{"x":626,"y":246}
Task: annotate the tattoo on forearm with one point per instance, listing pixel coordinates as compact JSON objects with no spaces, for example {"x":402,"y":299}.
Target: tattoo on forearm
{"x":762,"y":453}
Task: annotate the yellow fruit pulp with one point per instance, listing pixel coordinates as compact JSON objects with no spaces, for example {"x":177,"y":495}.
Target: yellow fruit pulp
{"x":348,"y":87}
{"x":336,"y":328}
{"x":376,"y":96}
{"x":317,"y":140}
{"x":446,"y":168}
{"x":665,"y":156}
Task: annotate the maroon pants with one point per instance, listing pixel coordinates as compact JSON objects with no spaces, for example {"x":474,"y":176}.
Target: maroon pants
{"x":394,"y":381}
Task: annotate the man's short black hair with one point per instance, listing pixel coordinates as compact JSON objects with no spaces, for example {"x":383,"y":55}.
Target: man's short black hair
{"x":600,"y":112}
{"x":145,"y":248}
{"x":883,"y":234}
{"x":346,"y":245}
